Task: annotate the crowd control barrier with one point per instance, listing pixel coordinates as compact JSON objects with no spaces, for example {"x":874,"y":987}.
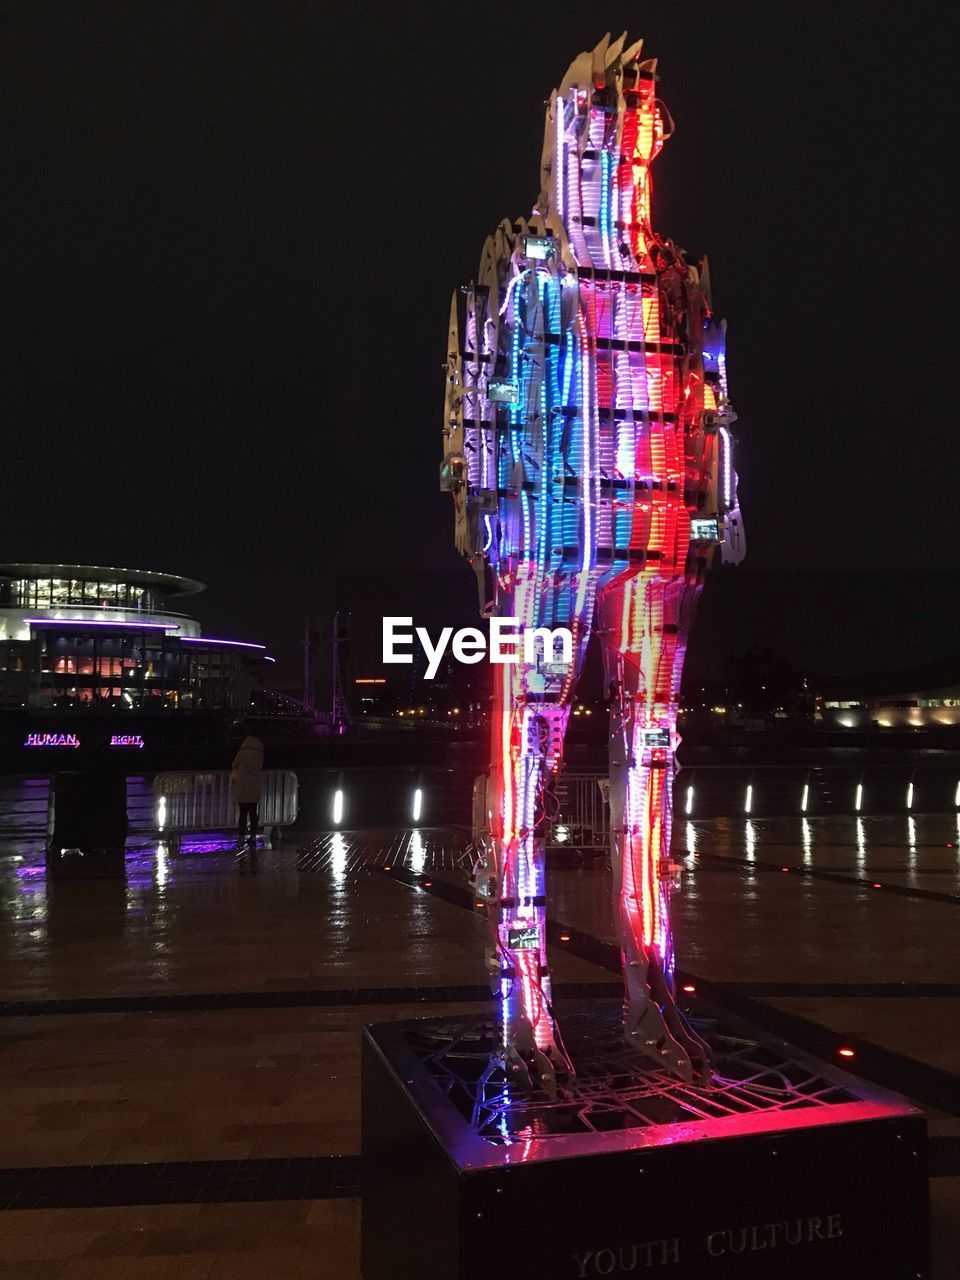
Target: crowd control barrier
{"x":201,"y":801}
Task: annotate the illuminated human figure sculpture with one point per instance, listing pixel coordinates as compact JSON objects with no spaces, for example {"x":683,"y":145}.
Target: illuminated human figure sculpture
{"x":588,"y":451}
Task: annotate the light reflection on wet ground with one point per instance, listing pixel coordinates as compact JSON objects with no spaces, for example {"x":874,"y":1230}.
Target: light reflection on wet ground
{"x":735,"y":920}
{"x":916,"y":852}
{"x":313,"y":914}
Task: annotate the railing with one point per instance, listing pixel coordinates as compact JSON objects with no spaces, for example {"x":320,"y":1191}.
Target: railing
{"x":387,"y":796}
{"x":201,"y":801}
{"x":713,"y":791}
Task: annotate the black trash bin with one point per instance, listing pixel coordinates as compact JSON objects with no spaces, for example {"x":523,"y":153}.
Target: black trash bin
{"x":86,"y":826}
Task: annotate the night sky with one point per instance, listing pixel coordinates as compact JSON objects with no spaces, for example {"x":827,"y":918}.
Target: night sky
{"x":232,"y":233}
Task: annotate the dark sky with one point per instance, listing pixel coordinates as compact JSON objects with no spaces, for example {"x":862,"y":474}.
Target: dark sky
{"x":232,"y":232}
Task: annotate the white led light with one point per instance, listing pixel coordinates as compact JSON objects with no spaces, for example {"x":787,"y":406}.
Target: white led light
{"x":540,"y":247}
{"x":804,"y":799}
{"x":161,"y":813}
{"x":337,"y":807}
{"x":689,"y":805}
{"x":417,"y":804}
{"x":561,"y":834}
{"x":859,"y":800}
{"x":909,"y":795}
{"x":748,"y":802}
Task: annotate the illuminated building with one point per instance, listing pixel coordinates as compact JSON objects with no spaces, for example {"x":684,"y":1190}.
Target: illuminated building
{"x":923,"y":697}
{"x":589,"y":454}
{"x":86,"y":637}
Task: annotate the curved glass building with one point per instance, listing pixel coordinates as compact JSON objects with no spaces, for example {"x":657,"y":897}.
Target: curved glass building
{"x":92,"y":637}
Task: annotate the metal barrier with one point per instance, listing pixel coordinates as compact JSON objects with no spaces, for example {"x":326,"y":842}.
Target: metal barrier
{"x":581,"y":817}
{"x":202,"y":802}
{"x":582,"y":820}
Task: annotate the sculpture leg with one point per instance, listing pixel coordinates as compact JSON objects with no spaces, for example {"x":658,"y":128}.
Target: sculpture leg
{"x":511,"y":875}
{"x":643,"y":629}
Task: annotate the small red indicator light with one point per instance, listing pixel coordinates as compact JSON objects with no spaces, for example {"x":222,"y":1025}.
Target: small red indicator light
{"x":564,"y":937}
{"x":690,"y":987}
{"x":784,"y":868}
{"x":846,"y":1053}
{"x":428,"y":884}
{"x":878,"y":886}
{"x":388,"y":868}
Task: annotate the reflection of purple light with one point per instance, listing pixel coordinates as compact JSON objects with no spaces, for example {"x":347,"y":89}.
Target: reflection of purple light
{"x":221,"y":844}
{"x":30,"y":873}
{"x":98,"y":622}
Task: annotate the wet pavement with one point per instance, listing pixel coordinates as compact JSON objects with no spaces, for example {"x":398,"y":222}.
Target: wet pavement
{"x":206,"y":1009}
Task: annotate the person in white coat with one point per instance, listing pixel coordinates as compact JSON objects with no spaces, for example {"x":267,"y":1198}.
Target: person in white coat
{"x":246,"y":786}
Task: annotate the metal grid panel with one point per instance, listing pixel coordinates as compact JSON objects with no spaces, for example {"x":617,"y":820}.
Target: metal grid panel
{"x":202,"y":801}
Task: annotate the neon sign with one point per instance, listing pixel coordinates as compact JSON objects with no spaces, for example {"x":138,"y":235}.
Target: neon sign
{"x":51,"y":740}
{"x":127,"y":740}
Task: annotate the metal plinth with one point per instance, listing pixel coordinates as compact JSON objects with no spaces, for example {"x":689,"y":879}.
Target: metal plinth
{"x":780,"y":1167}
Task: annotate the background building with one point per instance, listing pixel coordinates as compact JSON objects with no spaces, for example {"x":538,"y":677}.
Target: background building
{"x":922,"y":697}
{"x":91,"y":638}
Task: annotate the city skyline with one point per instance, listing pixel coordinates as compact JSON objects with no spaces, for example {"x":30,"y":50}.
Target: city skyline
{"x":229,"y":283}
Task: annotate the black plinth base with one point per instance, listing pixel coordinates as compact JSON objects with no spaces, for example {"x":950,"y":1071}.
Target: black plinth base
{"x":87,"y":826}
{"x":781,"y":1169}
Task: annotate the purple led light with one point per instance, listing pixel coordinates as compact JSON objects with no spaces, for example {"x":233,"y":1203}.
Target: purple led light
{"x":239,"y":644}
{"x":97,"y":622}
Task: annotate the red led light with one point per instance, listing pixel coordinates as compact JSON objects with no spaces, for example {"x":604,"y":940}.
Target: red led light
{"x":661,"y":545}
{"x":878,"y":886}
{"x":784,"y":868}
{"x":846,"y":1053}
{"x":690,"y":987}
{"x":428,"y":884}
